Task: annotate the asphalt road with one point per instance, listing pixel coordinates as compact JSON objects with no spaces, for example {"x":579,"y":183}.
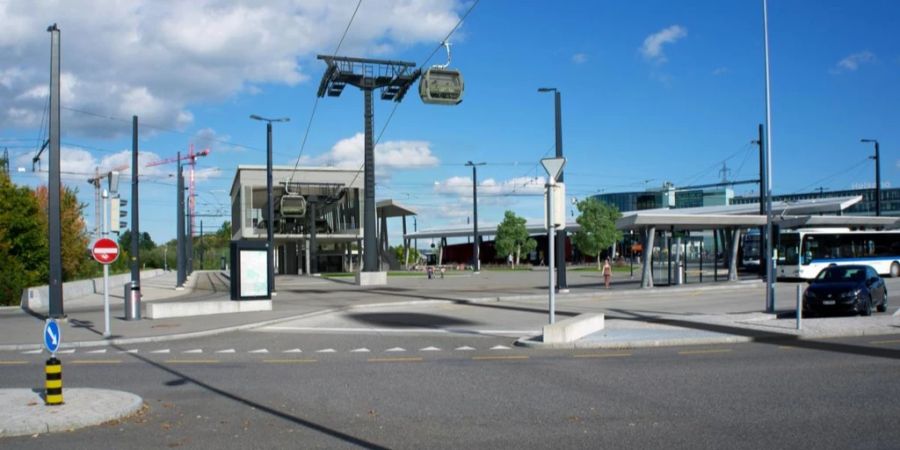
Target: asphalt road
{"x":792,"y":394}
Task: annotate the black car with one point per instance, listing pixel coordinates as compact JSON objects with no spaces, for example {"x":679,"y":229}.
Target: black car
{"x":846,"y":289}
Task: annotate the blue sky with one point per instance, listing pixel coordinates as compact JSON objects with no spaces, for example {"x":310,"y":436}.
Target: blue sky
{"x":652,"y":91}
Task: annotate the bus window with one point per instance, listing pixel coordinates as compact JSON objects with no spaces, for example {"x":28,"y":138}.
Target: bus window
{"x":788,"y":246}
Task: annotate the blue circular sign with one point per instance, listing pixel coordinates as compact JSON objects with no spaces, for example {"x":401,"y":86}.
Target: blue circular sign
{"x":52,"y":336}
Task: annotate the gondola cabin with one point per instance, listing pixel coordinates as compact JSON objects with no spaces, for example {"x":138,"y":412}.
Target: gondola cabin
{"x":292,"y":205}
{"x":441,"y":86}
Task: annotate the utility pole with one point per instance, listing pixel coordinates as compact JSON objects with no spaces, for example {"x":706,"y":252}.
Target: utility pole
{"x":270,"y":203}
{"x":202,"y":249}
{"x":877,"y":159}
{"x":770,"y":256}
{"x":476,"y":248}
{"x":760,"y":141}
{"x":180,"y":258}
{"x":135,"y":221}
{"x":560,"y":251}
{"x":53,"y":193}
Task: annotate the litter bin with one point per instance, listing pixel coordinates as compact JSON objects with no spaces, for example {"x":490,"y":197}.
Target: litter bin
{"x":132,"y":301}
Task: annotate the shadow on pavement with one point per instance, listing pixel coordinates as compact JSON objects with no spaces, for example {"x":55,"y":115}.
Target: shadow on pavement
{"x":409,"y":320}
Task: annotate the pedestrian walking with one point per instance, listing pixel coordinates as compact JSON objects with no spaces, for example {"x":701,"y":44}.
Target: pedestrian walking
{"x":607,"y":273}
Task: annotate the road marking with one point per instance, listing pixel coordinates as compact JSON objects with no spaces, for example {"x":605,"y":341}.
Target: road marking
{"x":499,"y":347}
{"x":132,"y":351}
{"x":33,"y":352}
{"x":499,"y":358}
{"x":396,"y":349}
{"x":13,"y":363}
{"x":360,"y":350}
{"x":293,"y":350}
{"x":399,"y":330}
{"x":191,"y":361}
{"x":703,"y":352}
{"x":429,"y":349}
{"x":288,"y":361}
{"x":601,"y":355}
{"x":464,"y":348}
{"x":97,"y":352}
{"x":326,"y":350}
{"x":891,"y":341}
{"x":262,"y":350}
{"x":227,"y":350}
{"x":165,"y":350}
{"x":194,"y":351}
{"x":407,"y":359}
{"x":66,"y":352}
{"x":786,"y":347}
{"x":96,"y":361}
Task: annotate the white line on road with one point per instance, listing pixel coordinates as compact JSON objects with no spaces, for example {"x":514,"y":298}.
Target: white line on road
{"x":227,"y":350}
{"x":32,"y":352}
{"x":165,"y":350}
{"x":196,"y":350}
{"x":465,"y":348}
{"x":396,"y":349}
{"x":360,"y":350}
{"x":400,"y":330}
{"x":66,"y":352}
{"x":499,"y":347}
{"x":429,"y":349}
{"x":132,"y":351}
{"x":262,"y":350}
{"x":326,"y":350}
{"x":102,"y":350}
{"x":293,"y":350}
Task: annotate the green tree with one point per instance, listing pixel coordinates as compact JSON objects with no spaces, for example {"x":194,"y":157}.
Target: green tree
{"x":24,"y":250}
{"x":512,"y":237}
{"x":598,"y":227}
{"x":400,"y":253}
{"x":145,"y":242}
{"x":76,"y":260}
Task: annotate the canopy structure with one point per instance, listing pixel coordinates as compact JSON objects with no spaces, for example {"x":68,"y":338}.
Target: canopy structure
{"x":385,"y":209}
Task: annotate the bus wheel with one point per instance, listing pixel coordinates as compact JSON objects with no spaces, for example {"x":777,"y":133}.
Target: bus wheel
{"x":895,"y":270}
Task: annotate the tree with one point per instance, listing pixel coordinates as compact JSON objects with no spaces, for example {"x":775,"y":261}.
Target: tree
{"x":145,"y":242}
{"x":400,"y":253}
{"x":76,"y":261}
{"x":598,"y":227}
{"x":24,"y":248}
{"x":512,"y":237}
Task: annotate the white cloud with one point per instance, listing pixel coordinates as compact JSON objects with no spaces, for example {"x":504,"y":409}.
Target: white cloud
{"x":207,"y":138}
{"x":156,"y":59}
{"x":348,"y":154}
{"x":652,"y":49}
{"x":579,"y":58}
{"x":520,"y":186}
{"x":852,"y":62}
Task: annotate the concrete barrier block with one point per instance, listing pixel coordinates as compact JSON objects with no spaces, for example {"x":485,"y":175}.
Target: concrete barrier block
{"x":371,"y":278}
{"x":204,"y":308}
{"x":574,"y":328}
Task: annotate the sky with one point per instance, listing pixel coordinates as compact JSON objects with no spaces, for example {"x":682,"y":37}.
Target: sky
{"x":652,"y":91}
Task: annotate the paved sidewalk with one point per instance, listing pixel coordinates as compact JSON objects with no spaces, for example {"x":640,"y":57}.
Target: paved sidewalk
{"x":24,"y":411}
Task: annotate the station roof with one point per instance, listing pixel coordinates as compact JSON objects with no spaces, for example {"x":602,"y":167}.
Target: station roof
{"x":390,"y":208}
{"x":885,"y":223}
{"x":689,"y":221}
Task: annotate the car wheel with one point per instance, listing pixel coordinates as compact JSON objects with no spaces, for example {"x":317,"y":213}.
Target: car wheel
{"x":883,"y":306}
{"x":895,"y":270}
{"x":867,"y":307}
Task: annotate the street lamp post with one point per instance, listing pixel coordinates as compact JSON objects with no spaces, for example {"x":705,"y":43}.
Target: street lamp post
{"x":877,"y":159}
{"x":476,"y":256}
{"x":560,"y":253}
{"x":270,"y":206}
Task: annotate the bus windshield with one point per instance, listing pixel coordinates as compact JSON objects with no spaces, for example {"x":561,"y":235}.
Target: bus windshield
{"x":788,"y":248}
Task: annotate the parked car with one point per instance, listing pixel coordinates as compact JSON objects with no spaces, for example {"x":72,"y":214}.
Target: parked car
{"x":845,"y":289}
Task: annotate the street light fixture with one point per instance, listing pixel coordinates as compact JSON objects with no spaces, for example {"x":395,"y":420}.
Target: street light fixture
{"x":476,"y":253}
{"x":877,"y":159}
{"x":270,"y":207}
{"x":560,"y":234}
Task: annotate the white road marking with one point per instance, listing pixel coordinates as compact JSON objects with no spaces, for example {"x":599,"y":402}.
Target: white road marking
{"x":132,"y":351}
{"x":326,"y":350}
{"x":196,"y":350}
{"x":165,"y":350}
{"x":464,"y":348}
{"x":429,"y":349}
{"x":261,"y":350}
{"x":360,"y":350}
{"x":293,"y":350}
{"x":499,"y":347}
{"x":396,"y":349}
{"x":400,"y":330}
{"x":102,"y":350}
{"x":32,"y":352}
{"x":227,"y":350}
{"x":67,"y":351}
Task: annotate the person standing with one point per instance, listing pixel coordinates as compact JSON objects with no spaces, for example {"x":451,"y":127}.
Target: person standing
{"x":607,"y":273}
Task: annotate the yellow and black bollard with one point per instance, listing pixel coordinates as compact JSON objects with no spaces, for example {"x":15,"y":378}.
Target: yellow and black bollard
{"x":53,"y":384}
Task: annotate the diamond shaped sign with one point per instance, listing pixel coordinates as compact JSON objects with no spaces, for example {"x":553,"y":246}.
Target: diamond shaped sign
{"x":553,"y":166}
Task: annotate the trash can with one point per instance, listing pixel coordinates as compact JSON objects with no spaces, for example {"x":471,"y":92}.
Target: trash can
{"x":132,"y":301}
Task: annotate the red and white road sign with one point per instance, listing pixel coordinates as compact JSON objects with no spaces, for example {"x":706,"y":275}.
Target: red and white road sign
{"x":105,"y":251}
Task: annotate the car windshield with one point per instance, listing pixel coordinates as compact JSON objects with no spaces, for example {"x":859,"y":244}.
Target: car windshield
{"x":839,"y":274}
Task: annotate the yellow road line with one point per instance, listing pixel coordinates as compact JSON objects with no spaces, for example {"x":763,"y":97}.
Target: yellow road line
{"x":96,"y":361}
{"x":786,"y":347}
{"x":191,"y":361}
{"x":498,"y":358}
{"x":288,"y":361}
{"x":701,"y":352}
{"x":13,"y":363}
{"x":601,"y":355}
{"x":892,"y":341}
{"x":410,"y":359}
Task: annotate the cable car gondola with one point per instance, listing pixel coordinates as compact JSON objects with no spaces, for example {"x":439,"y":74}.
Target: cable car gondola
{"x":292,"y":205}
{"x":441,"y":85}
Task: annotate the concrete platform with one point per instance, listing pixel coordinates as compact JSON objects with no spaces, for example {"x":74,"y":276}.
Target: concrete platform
{"x":24,"y":412}
{"x":371,"y":278}
{"x":204,"y":308}
{"x":573,"y":328}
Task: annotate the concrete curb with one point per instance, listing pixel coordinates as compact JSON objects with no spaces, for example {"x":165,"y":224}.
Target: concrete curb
{"x":600,"y":294}
{"x":24,"y":412}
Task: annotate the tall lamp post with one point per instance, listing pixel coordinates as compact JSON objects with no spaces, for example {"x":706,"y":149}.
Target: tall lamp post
{"x":877,"y":159}
{"x":560,"y":234}
{"x":270,"y":206}
{"x":476,"y":253}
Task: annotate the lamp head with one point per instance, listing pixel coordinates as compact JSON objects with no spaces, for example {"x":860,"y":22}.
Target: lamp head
{"x":869,"y":140}
{"x":546,"y":89}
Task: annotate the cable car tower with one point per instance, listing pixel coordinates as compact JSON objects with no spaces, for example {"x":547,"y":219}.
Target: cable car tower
{"x":441,"y":85}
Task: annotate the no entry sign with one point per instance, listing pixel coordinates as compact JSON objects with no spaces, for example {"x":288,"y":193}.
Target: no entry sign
{"x":105,"y":251}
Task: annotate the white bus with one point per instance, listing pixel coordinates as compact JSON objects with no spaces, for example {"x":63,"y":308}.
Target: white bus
{"x":803,"y":253}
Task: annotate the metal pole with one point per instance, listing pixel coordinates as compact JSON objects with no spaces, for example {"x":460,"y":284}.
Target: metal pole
{"x":560,"y":234}
{"x":476,"y":256}
{"x":270,"y":213}
{"x":106,"y":331}
{"x":763,"y":263}
{"x":202,"y":250}
{"x":551,"y":228}
{"x":799,"y":309}
{"x":877,"y":181}
{"x":54,"y":186}
{"x":770,"y":266}
{"x":715,"y":255}
{"x":370,"y":247}
{"x":179,"y":220}
{"x":135,"y":220}
{"x":701,"y":259}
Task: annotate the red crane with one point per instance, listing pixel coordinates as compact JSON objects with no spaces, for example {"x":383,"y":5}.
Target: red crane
{"x":191,"y":159}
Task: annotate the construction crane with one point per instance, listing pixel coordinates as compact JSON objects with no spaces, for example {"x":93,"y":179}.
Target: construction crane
{"x":191,"y":159}
{"x":95,"y":181}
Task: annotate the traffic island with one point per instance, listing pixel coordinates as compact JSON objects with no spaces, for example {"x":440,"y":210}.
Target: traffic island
{"x":24,"y":411}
